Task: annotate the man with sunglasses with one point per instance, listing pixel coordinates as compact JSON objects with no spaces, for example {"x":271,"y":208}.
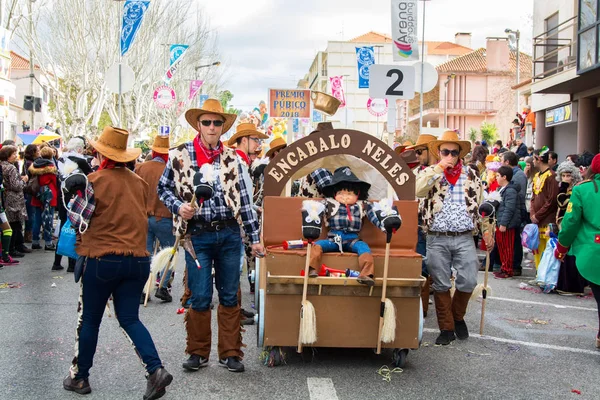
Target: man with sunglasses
{"x":452,"y":193}
{"x":214,"y":225}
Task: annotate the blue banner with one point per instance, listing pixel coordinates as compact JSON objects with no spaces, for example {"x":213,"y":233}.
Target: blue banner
{"x":202,"y":99}
{"x":296,"y":125}
{"x":317,"y":116}
{"x":365,"y":57}
{"x":176,"y":51}
{"x":133,"y":12}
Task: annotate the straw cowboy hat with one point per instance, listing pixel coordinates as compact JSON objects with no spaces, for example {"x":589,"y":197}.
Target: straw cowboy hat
{"x":210,"y":106}
{"x":449,"y":137}
{"x":112,"y":144}
{"x":276,"y":144}
{"x":246,"y":129}
{"x":422,"y":141}
{"x":161,"y":144}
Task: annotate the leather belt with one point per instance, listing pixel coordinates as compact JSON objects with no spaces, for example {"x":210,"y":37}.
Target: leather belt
{"x":434,"y":233}
{"x":196,"y":227}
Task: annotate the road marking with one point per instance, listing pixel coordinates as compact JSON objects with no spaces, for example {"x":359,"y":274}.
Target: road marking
{"x":522,"y":343}
{"x":321,"y":389}
{"x":542,"y":304}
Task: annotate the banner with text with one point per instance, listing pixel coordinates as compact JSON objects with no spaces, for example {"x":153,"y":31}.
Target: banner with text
{"x":195,"y":88}
{"x":405,"y":46}
{"x":289,"y":103}
{"x":133,"y":12}
{"x":177,"y":51}
{"x":337,"y":89}
{"x":365,"y":57}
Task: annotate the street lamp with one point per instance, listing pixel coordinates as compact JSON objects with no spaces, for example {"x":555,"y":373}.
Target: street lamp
{"x":215,"y":64}
{"x":450,"y":77}
{"x":515,"y":36}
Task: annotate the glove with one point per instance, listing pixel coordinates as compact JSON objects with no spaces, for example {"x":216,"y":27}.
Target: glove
{"x":560,"y":252}
{"x":75,"y":182}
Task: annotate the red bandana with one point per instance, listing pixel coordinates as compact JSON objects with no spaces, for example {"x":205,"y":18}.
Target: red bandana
{"x":452,"y":174}
{"x":204,"y":155}
{"x":110,"y":164}
{"x":244,"y":156}
{"x":163,"y":156}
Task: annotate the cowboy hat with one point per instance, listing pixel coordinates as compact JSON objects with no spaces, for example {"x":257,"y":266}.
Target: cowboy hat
{"x":210,"y":106}
{"x":246,"y":129}
{"x":161,"y":144}
{"x":112,"y":144}
{"x":345,"y":175}
{"x":422,"y":141}
{"x":276,"y":144}
{"x":449,"y":137}
{"x":399,"y":149}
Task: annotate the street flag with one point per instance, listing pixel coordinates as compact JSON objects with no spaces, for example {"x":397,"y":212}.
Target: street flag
{"x":133,"y":12}
{"x":337,"y":89}
{"x":405,"y":40}
{"x":195,"y":88}
{"x":177,"y":52}
{"x":365,"y":57}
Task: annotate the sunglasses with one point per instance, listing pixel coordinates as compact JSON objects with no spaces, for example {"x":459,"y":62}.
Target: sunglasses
{"x":420,"y":151}
{"x":446,"y":152}
{"x":257,"y":140}
{"x":207,"y":122}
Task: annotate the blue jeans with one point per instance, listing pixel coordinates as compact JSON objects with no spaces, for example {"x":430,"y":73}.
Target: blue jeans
{"x":223,"y":250}
{"x":162,"y":230}
{"x":359,"y":247}
{"x":29,"y":208}
{"x":123,"y":277}
{"x":422,"y":250}
{"x":37,"y":224}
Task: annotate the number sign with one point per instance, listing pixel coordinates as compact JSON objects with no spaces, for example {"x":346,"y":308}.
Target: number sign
{"x":393,"y":82}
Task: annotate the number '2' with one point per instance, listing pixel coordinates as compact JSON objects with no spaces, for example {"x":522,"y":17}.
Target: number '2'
{"x":392,"y":89}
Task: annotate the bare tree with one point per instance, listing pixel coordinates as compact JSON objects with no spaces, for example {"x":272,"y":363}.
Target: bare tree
{"x":75,"y":42}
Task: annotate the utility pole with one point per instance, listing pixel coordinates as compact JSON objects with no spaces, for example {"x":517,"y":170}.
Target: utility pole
{"x":31,"y":72}
{"x":378,"y":47}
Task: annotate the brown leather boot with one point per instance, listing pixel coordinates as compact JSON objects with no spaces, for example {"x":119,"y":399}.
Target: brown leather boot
{"x":197,"y":325}
{"x":460,"y":301}
{"x":229,"y":332}
{"x":443,"y":309}
{"x":425,"y":297}
{"x":367,"y":268}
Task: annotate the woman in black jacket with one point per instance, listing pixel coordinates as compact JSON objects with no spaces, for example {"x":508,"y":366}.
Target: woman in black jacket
{"x":32,"y":152}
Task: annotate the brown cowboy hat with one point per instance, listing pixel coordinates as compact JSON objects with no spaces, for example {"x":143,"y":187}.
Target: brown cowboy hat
{"x":246,"y":129}
{"x":449,"y":137}
{"x":403,"y":146}
{"x":161,"y":144}
{"x":112,"y":144}
{"x":210,"y":106}
{"x":422,"y":141}
{"x":276,"y":144}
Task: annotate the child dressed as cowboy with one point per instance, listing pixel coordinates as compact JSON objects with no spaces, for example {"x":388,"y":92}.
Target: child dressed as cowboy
{"x":347,"y":205}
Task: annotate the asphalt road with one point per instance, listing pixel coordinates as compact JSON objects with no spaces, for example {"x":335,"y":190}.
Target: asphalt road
{"x":536,"y":346}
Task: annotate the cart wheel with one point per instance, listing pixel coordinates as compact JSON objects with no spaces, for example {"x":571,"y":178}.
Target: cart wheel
{"x":399,"y":357}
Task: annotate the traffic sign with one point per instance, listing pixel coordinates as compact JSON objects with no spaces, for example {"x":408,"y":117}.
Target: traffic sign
{"x":112,"y":78}
{"x":392,"y":82}
{"x":164,"y":97}
{"x":164,"y":130}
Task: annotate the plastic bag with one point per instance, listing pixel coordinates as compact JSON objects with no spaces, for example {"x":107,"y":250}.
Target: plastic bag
{"x":66,"y":241}
{"x":549,"y":268}
{"x":530,"y":238}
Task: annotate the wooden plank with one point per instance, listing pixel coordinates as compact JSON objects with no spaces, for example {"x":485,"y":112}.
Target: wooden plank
{"x":343,"y":281}
{"x":350,"y":291}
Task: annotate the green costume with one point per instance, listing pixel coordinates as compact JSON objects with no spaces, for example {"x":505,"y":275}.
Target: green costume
{"x":580,"y":229}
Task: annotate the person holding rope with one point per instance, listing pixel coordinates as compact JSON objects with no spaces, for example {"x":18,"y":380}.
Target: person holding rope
{"x":160,"y":219}
{"x":452,"y":193}
{"x":109,"y":212}
{"x":215,"y":233}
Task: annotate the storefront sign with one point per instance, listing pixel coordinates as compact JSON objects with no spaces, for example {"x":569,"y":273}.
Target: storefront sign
{"x":289,"y":103}
{"x":405,"y":46}
{"x":340,"y":141}
{"x":559,"y":115}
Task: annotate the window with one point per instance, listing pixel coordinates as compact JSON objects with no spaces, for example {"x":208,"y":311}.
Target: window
{"x":588,"y":36}
{"x":551,"y":45}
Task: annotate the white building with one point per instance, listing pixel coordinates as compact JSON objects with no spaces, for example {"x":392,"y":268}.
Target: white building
{"x":339,"y":59}
{"x":566,"y":77}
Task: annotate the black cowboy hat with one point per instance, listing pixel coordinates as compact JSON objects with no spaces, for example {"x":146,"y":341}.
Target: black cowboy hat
{"x":343,"y":176}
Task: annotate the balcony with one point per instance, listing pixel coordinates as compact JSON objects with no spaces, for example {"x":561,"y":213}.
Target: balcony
{"x":555,"y":57}
{"x":433,"y":109}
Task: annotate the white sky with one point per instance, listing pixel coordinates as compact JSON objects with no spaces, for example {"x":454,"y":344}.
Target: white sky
{"x":272,"y":43}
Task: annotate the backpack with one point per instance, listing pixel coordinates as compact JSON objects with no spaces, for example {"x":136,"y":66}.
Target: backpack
{"x":33,"y":186}
{"x":530,"y":238}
